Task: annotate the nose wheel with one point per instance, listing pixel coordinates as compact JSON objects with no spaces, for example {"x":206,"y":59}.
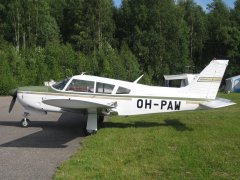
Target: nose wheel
{"x":25,"y":122}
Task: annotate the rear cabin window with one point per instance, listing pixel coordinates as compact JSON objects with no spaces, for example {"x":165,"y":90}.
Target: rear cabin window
{"x":122,"y":90}
{"x":81,"y":86}
{"x":104,"y":88}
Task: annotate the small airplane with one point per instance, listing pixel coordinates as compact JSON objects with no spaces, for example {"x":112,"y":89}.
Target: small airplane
{"x":98,"y":96}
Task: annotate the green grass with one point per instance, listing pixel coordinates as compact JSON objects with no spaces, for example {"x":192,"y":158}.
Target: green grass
{"x":183,"y":145}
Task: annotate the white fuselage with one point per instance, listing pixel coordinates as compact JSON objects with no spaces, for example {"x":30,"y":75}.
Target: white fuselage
{"x":125,"y":98}
{"x":102,"y":96}
{"x":124,"y":104}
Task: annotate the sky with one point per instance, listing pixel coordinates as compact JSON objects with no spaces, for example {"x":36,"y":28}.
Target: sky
{"x":203,"y":3}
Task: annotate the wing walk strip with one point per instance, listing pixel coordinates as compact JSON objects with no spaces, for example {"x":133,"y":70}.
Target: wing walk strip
{"x":113,"y":97}
{"x":210,"y":79}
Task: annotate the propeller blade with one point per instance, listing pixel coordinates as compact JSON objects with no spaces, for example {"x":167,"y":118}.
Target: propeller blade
{"x":13,"y":93}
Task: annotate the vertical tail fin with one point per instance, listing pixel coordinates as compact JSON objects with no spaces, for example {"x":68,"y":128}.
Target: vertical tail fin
{"x":207,"y":83}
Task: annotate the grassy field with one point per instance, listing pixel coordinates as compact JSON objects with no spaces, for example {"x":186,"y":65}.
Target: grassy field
{"x":183,"y":145}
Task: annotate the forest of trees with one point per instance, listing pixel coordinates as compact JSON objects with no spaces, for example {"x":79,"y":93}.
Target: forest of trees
{"x":51,"y":39}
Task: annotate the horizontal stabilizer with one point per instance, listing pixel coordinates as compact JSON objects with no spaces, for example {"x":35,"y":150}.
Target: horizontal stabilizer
{"x":217,"y":103}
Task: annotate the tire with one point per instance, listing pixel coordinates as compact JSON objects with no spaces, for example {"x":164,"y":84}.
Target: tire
{"x":24,"y":123}
{"x":100,"y":119}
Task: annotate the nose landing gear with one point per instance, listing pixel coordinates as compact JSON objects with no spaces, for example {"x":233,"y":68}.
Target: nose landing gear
{"x":25,"y":122}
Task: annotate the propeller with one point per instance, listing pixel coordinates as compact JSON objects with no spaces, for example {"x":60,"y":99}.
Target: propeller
{"x":13,"y":93}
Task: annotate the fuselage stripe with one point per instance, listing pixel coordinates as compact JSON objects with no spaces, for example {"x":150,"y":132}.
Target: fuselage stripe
{"x":115,"y":97}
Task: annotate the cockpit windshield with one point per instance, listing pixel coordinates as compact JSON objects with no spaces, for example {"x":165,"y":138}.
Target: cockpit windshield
{"x":60,"y":85}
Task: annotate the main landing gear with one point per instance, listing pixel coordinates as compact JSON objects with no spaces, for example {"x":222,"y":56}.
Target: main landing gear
{"x":25,"y":122}
{"x":94,"y":121}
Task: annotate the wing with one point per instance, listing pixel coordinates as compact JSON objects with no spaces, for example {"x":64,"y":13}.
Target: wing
{"x":71,"y":103}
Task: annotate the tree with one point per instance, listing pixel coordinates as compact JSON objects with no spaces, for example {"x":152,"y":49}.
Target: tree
{"x":90,"y":25}
{"x":31,"y":24}
{"x":231,"y":39}
{"x":197,"y":30}
{"x":156,"y":33}
{"x":57,"y":12}
{"x":7,"y":82}
{"x":61,"y":60}
{"x":131,"y":68}
{"x":2,"y":21}
{"x":218,"y":21}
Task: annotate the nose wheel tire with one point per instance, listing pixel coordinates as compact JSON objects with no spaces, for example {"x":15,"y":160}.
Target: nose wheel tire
{"x":25,"y":123}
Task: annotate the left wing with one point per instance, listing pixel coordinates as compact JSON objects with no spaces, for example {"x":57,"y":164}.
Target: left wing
{"x":71,"y":103}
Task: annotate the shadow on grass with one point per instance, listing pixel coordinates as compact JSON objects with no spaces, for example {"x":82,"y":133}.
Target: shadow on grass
{"x":174,"y":123}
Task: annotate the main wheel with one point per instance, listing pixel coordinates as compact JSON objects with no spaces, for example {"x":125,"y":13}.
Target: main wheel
{"x":100,"y":119}
{"x":88,"y":133}
{"x":25,"y":122}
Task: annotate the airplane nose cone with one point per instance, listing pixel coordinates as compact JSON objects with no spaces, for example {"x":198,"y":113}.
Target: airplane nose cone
{"x":13,"y":92}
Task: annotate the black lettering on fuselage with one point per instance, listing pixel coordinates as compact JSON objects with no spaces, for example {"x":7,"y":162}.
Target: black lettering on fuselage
{"x":139,"y":103}
{"x":167,"y":105}
{"x":148,"y":104}
{"x":177,"y":105}
{"x":163,"y":103}
{"x":170,"y":107}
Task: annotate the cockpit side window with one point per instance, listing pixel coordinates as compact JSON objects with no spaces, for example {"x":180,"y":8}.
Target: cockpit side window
{"x":104,"y":88}
{"x":81,"y":86}
{"x":60,"y":85}
{"x":123,"y":90}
